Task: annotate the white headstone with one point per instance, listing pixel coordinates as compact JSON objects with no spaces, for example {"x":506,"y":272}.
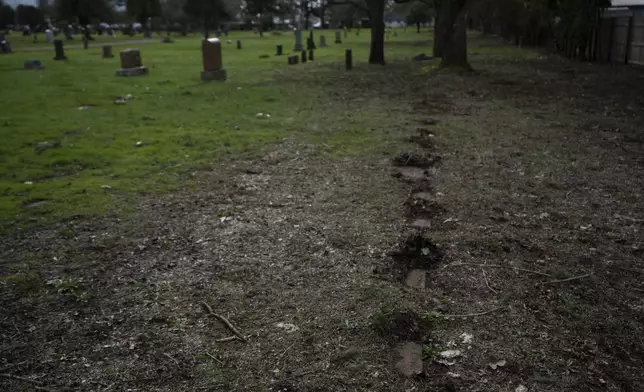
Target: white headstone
{"x":49,"y":35}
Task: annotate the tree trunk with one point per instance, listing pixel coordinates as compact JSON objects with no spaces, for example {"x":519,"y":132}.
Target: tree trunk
{"x":437,"y":49}
{"x":377,"y":15}
{"x":454,"y":42}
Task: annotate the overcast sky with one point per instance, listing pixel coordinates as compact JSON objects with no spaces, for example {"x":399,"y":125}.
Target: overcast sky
{"x":26,"y":2}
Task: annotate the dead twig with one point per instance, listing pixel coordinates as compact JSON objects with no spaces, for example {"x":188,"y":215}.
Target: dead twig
{"x":173,"y":360}
{"x":224,"y":321}
{"x":486,"y":282}
{"x":568,"y":279}
{"x":473,"y":314}
{"x":284,"y":352}
{"x":227,"y":339}
{"x":500,"y":266}
{"x":214,"y":358}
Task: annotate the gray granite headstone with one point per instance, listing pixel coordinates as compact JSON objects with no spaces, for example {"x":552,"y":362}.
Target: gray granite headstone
{"x":322,"y":41}
{"x":298,"y":40}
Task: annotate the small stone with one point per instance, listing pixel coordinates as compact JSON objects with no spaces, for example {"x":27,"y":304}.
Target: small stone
{"x":450,"y":354}
{"x":139,"y":144}
{"x":33,"y":64}
{"x":106,"y":187}
{"x":521,"y":388}
{"x":29,"y":183}
{"x":411,"y":359}
{"x":497,"y":364}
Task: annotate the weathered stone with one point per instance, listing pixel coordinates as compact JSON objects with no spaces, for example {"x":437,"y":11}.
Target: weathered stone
{"x":294,"y":59}
{"x":131,"y":63}
{"x":280,"y":50}
{"x":130,"y":58}
{"x":298,"y":40}
{"x":338,"y":37}
{"x":348,"y":59}
{"x":33,"y":64}
{"x":5,"y":47}
{"x":411,"y":359}
{"x":304,"y":56}
{"x":49,"y":35}
{"x":311,"y":54}
{"x":212,"y":60}
{"x":239,"y":44}
{"x":322,"y":41}
{"x":60,"y":50}
{"x":416,"y":278}
{"x":107,"y":52}
{"x":310,"y":42}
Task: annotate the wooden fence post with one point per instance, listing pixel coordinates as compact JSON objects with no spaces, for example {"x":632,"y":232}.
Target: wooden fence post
{"x":629,"y":39}
{"x":610,"y":40}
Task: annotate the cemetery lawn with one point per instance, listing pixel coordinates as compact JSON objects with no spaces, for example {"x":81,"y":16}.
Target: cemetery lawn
{"x":120,"y":222}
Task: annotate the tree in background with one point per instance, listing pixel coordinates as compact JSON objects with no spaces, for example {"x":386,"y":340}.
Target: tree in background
{"x":211,"y":12}
{"x":29,"y":15}
{"x":375,"y":10}
{"x":7,"y":15}
{"x":262,"y":11}
{"x":83,"y":11}
{"x":418,"y":13}
{"x":142,"y":11}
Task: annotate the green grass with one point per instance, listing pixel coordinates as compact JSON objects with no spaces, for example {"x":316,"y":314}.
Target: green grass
{"x":94,"y":166}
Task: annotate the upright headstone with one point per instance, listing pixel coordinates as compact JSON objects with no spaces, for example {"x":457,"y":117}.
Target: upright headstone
{"x":35,"y":38}
{"x":311,"y":54}
{"x":304,"y":56}
{"x":239,"y":44}
{"x":310,"y":42}
{"x":280,"y":50}
{"x":212,"y":62}
{"x":5,"y":47}
{"x":338,"y":37}
{"x":348,"y":60}
{"x":298,"y":41}
{"x":107,"y":51}
{"x":322,"y":41}
{"x":60,"y":51}
{"x":131,"y":63}
{"x":294,"y":59}
{"x":49,"y":35}
{"x":358,"y":32}
{"x":346,"y":33}
{"x":85,"y":43}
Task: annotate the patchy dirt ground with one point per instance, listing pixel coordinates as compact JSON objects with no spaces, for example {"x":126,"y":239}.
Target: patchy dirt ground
{"x":533,"y":252}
